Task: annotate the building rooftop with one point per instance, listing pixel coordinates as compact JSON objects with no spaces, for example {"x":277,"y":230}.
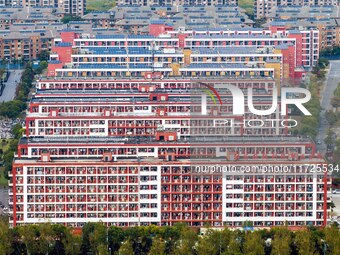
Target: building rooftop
{"x":190,"y":17}
{"x":237,"y":140}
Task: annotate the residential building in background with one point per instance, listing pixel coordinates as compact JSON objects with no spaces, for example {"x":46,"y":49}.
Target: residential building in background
{"x":188,"y":3}
{"x":136,"y":19}
{"x":264,"y":8}
{"x":324,"y":18}
{"x":73,"y":7}
{"x":69,"y":7}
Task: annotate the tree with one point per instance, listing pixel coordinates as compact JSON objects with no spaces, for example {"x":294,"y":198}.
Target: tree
{"x":5,"y":238}
{"x":157,"y":247}
{"x":234,"y":247}
{"x":209,"y":243}
{"x":46,"y":238}
{"x":44,"y":55}
{"x":42,"y":66}
{"x":141,"y":238}
{"x":71,"y":243}
{"x":126,"y":248}
{"x":170,"y":235}
{"x":332,"y":117}
{"x":17,"y":131}
{"x":254,"y":243}
{"x":9,"y":155}
{"x":330,"y":137}
{"x":116,"y":237}
{"x":29,"y":235}
{"x":94,"y":237}
{"x":67,"y":18}
{"x":281,"y":241}
{"x":332,"y":237}
{"x":304,"y":243}
{"x":186,"y":243}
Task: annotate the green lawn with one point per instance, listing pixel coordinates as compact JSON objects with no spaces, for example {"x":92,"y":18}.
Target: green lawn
{"x":247,"y":4}
{"x":4,"y":144}
{"x":99,"y":5}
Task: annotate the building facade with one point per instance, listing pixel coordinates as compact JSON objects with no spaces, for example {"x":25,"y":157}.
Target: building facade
{"x":263,"y":8}
{"x":177,"y":2}
{"x":124,"y":131}
{"x":136,"y":152}
{"x":324,"y":18}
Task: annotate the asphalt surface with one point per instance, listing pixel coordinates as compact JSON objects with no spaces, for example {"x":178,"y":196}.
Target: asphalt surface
{"x":9,"y":91}
{"x":4,"y":196}
{"x":333,"y":78}
{"x":336,"y":201}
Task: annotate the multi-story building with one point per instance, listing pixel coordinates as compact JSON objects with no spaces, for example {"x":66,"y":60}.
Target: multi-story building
{"x":136,"y":19}
{"x":130,"y":152}
{"x":5,"y":3}
{"x":264,"y":8}
{"x":70,"y":7}
{"x":73,"y":7}
{"x":281,"y":55}
{"x":176,"y":2}
{"x":324,"y":18}
{"x":128,"y":142}
{"x":20,"y":40}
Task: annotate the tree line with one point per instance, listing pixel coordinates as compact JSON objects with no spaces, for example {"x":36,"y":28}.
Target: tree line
{"x":13,"y":109}
{"x":97,"y":239}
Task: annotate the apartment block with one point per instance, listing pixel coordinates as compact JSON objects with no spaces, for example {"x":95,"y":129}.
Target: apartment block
{"x":323,"y":18}
{"x":136,"y":19}
{"x":176,"y":2}
{"x":123,"y":131}
{"x":280,"y":54}
{"x":70,"y":7}
{"x":264,"y":8}
{"x":73,"y":7}
{"x":129,"y":153}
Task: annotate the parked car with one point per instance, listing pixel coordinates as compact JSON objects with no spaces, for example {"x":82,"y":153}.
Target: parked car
{"x":336,"y":191}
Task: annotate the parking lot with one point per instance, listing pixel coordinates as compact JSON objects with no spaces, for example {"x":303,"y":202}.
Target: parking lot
{"x":6,"y":126}
{"x":336,"y":201}
{"x":11,"y":85}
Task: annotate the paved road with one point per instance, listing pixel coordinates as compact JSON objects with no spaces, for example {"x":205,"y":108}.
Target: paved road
{"x":332,"y":81}
{"x":336,"y":201}
{"x":9,"y":91}
{"x":4,"y":196}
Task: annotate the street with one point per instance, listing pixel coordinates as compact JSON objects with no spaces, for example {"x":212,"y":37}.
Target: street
{"x":13,"y":80}
{"x":336,"y":201}
{"x":332,"y":81}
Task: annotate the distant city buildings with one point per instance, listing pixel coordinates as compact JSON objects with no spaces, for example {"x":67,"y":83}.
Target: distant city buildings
{"x":28,"y":25}
{"x":263,"y":8}
{"x":70,"y":7}
{"x":176,"y":2}
{"x":73,"y":7}
{"x":324,"y":18}
{"x":136,"y":19}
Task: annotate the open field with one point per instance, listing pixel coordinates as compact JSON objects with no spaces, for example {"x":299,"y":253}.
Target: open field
{"x":247,"y":4}
{"x":99,"y":5}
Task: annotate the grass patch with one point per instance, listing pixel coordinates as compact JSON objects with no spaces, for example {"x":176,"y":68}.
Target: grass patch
{"x":4,"y":144}
{"x":248,"y":5}
{"x":99,"y":5}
